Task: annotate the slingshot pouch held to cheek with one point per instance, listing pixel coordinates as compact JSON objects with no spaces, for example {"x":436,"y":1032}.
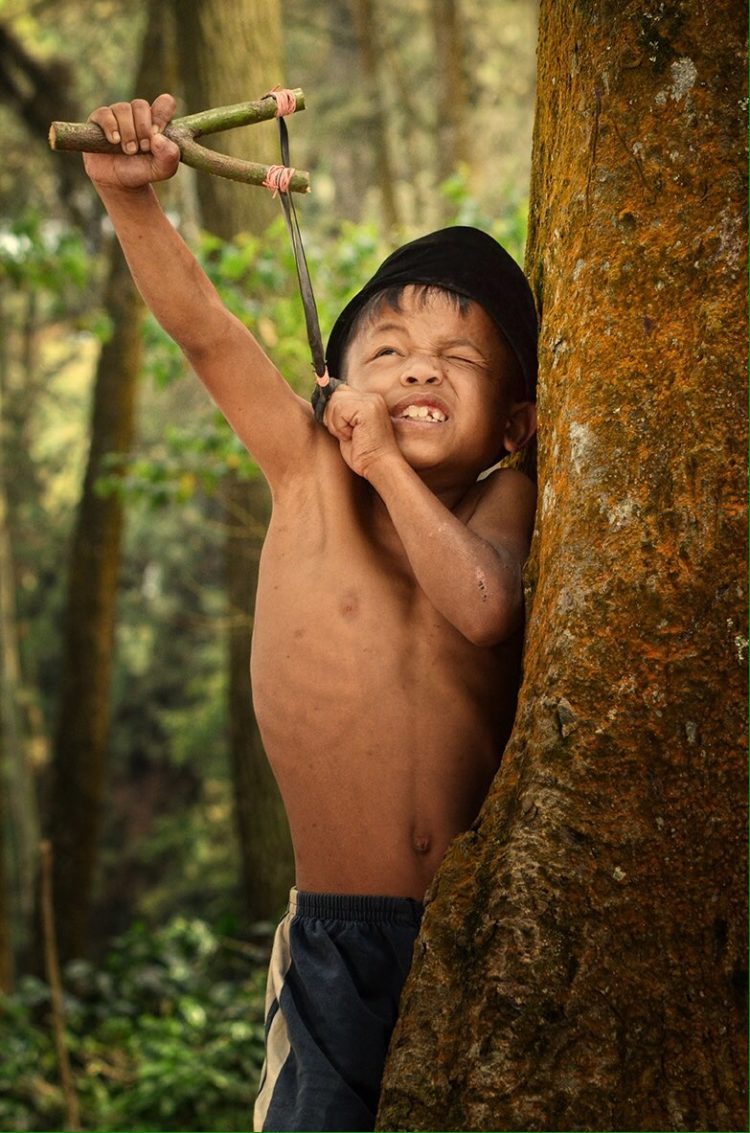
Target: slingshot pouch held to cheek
{"x":322,"y":394}
{"x":324,"y":383}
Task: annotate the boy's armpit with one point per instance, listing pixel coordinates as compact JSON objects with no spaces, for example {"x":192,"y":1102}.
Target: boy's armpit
{"x":504,"y":514}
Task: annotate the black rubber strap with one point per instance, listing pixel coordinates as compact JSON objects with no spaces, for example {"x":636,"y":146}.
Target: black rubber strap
{"x":303,"y":274}
{"x":321,"y":396}
{"x":321,"y":393}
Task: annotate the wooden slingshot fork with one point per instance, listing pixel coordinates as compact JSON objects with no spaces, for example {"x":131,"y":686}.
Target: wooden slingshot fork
{"x":87,"y":137}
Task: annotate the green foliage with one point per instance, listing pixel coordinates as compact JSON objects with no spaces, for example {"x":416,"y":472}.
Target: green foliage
{"x":42,"y":255}
{"x":166,"y":1035}
{"x":187,"y":460}
{"x":509,"y":227}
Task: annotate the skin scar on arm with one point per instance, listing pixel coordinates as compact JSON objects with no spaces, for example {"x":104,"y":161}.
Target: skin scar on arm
{"x":482,"y":583}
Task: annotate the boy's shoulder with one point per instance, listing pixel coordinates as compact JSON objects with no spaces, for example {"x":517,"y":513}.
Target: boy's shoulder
{"x":508,"y":482}
{"x":502,"y":509}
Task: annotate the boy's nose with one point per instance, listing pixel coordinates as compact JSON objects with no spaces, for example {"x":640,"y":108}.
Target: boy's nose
{"x":421,"y":370}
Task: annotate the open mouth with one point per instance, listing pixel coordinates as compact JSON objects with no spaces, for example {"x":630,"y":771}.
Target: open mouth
{"x":423,"y":410}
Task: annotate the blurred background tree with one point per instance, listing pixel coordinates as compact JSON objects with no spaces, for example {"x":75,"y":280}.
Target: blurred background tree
{"x":223,"y":45}
{"x":152,"y":731}
{"x":81,"y":738}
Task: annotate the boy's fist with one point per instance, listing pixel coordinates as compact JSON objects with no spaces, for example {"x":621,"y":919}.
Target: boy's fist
{"x":360,"y":422}
{"x":146,"y":154}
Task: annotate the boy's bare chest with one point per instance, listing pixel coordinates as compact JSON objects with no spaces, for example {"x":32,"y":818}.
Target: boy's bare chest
{"x":327,"y":571}
{"x":337,"y":595}
{"x":347,"y":647}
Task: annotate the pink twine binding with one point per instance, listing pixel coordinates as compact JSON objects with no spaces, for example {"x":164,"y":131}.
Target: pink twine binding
{"x":286,"y":102}
{"x":278,"y":178}
{"x":324,"y":378}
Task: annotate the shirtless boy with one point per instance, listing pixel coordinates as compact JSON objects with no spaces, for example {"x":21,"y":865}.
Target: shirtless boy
{"x":389,"y":617}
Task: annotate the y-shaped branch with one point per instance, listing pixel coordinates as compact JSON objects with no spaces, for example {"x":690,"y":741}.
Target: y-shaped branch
{"x":87,"y":137}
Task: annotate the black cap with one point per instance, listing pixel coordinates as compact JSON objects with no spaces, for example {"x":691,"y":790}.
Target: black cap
{"x":469,"y":262}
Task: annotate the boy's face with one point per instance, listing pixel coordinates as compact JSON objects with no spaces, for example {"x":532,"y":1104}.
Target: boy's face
{"x":447,"y":380}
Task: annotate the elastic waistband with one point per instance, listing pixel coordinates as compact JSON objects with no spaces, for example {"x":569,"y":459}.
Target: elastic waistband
{"x":355,"y":907}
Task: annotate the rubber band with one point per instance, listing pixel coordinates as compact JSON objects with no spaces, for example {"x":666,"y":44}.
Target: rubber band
{"x":278,"y":178}
{"x":286,"y":101}
{"x":325,"y":387}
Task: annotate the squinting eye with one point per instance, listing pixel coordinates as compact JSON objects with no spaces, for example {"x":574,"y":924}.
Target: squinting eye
{"x":465,"y":361}
{"x":384,"y":350}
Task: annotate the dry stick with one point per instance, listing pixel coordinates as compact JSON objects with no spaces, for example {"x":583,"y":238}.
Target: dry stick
{"x":87,"y":137}
{"x":72,"y":1115}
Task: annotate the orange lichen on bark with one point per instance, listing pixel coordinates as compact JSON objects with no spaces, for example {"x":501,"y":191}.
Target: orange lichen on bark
{"x":581,"y":959}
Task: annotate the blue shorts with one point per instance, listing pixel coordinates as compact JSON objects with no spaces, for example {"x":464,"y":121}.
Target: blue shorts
{"x":337,"y":969}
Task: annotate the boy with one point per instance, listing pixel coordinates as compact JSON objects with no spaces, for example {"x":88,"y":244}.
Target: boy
{"x":389,"y":617}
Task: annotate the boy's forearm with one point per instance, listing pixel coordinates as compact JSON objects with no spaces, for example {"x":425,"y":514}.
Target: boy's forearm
{"x":473,"y":584}
{"x":165,"y":271}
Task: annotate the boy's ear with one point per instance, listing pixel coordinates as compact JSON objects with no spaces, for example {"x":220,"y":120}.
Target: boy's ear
{"x":520,"y":426}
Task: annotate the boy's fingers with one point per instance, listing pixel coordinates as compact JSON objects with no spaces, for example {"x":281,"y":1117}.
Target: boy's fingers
{"x":340,"y":423}
{"x":166,"y":156}
{"x":162,"y":111}
{"x":331,"y":418}
{"x":142,"y":122}
{"x":106,"y":121}
{"x":123,"y":112}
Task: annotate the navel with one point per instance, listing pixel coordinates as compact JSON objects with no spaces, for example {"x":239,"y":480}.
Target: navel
{"x":421,"y":843}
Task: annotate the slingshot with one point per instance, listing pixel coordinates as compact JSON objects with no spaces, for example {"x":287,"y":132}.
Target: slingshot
{"x":282,"y":180}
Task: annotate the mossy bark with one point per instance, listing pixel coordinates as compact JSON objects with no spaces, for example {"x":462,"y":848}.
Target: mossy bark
{"x":582,"y":959}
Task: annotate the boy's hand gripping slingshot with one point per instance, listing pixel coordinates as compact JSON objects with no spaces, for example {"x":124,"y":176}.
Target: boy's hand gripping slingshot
{"x":87,"y":137}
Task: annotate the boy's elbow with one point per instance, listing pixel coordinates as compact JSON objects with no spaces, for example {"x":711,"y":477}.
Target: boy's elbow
{"x":487,"y":636}
{"x":494,"y":622}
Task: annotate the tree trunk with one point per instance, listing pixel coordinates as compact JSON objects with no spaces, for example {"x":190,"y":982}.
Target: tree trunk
{"x":348,"y":160}
{"x":38,"y":92}
{"x":581,"y":964}
{"x":452,"y":95}
{"x":365,"y":24}
{"x":6,"y":935}
{"x":81,"y":738}
{"x":9,"y":735}
{"x":80,"y":747}
{"x":18,"y":812}
{"x":230,"y":50}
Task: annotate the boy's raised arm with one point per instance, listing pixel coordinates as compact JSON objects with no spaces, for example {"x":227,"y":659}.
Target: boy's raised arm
{"x":265,"y":413}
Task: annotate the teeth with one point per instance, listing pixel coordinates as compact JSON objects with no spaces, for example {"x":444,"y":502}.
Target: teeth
{"x":423,"y":413}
